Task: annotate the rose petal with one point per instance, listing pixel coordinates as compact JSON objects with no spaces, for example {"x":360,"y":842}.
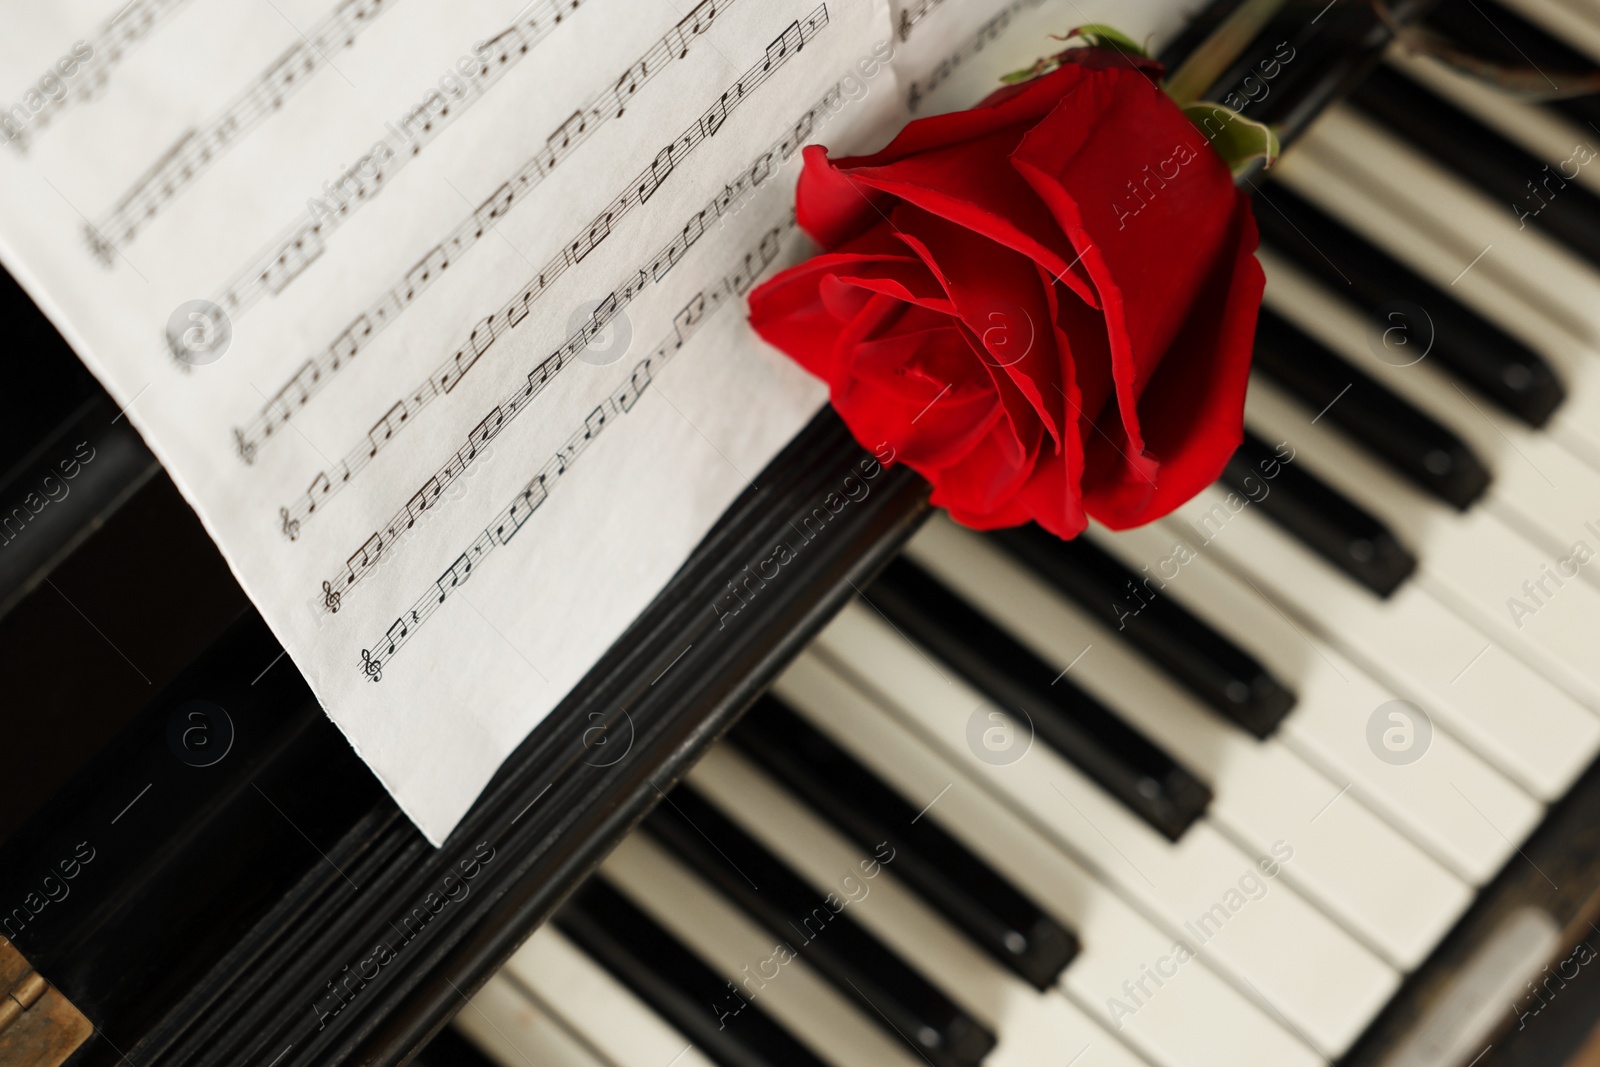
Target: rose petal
{"x":998,"y":296}
{"x":1150,"y":260}
{"x":1193,"y":407}
{"x":972,"y":184}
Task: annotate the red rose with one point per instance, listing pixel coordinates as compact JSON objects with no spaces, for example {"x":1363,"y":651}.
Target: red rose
{"x":1045,"y":305}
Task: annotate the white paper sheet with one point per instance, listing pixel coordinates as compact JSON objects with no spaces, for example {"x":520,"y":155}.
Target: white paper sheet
{"x":481,"y":377}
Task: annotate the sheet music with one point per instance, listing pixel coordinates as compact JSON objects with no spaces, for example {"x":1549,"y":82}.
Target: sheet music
{"x":435,"y":312}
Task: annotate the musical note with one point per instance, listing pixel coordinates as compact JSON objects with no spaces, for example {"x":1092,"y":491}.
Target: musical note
{"x":248,"y":286}
{"x":188,"y":157}
{"x":95,"y":57}
{"x":986,"y":34}
{"x":504,"y":526}
{"x":263,"y":275}
{"x":389,"y":425}
{"x":444,"y":379}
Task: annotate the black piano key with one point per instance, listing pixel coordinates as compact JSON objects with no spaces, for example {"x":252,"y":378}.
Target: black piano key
{"x":1471,"y":347}
{"x":665,"y":974}
{"x":1205,"y":662}
{"x":450,"y":1049}
{"x":1320,"y":517}
{"x":1410,"y":441}
{"x":1497,"y":33}
{"x":944,"y":872}
{"x":1120,"y":758}
{"x":859,"y":966}
{"x":1532,"y":189}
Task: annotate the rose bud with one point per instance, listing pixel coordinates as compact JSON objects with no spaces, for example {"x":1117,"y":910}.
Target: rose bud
{"x":1045,"y":304}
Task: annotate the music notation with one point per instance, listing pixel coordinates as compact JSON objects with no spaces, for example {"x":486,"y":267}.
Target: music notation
{"x":912,"y":14}
{"x":365,"y":559}
{"x":448,"y":374}
{"x":559,"y":146}
{"x":985,"y":35}
{"x":132,"y":23}
{"x":197,"y":149}
{"x":511,"y":519}
{"x":300,"y":243}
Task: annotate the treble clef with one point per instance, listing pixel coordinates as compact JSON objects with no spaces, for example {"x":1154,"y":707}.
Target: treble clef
{"x":245,"y":447}
{"x":291,"y":527}
{"x":330,"y":598}
{"x":372,"y":668}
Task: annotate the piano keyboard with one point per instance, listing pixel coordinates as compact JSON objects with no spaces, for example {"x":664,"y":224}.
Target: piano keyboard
{"x":1204,"y":792}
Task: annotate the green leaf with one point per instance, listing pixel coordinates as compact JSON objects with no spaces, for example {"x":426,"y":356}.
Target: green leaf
{"x":1099,"y":35}
{"x":1237,"y":139}
{"x":1041,"y":67}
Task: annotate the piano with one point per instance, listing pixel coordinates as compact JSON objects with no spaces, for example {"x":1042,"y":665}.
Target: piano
{"x":1303,"y":774}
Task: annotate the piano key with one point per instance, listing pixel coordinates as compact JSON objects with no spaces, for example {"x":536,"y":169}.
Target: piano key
{"x":1473,"y":561}
{"x":679,"y":985}
{"x":1327,"y":988}
{"x":1347,"y":859}
{"x":1512,"y":715}
{"x":858,"y":963}
{"x":1456,"y":221}
{"x":1496,"y":31}
{"x":577,"y":996}
{"x":1001,"y":919}
{"x":1429,"y":124}
{"x":449,"y":1049}
{"x":1452,"y":802}
{"x":761,"y":969}
{"x":1574,"y":23}
{"x":1540,"y":488}
{"x":1033,"y":1029}
{"x":508,"y":1027}
{"x":1477,"y":351}
{"x":1184,"y":1015}
{"x":1215,"y":670}
{"x":1549,"y":130}
{"x":1123,"y":761}
{"x":1412,"y":442}
{"x":1420,"y":213}
{"x":1319,"y":516}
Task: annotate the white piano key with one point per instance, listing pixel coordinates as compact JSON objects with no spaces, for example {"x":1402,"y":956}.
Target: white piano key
{"x":583,"y":998}
{"x":1439,"y":225}
{"x":1473,"y":561}
{"x":1524,"y":271}
{"x":799,"y":999}
{"x":1327,"y":988}
{"x":1450,"y":802}
{"x":1538,"y":130}
{"x":1032,"y":1028}
{"x":1576,"y":22}
{"x":1507,"y":712}
{"x":1347,"y":859}
{"x":511,"y":1029}
{"x":1546,"y":492}
{"x":1189,"y":1017}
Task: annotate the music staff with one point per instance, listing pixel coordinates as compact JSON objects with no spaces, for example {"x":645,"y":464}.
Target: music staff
{"x":912,"y":14}
{"x":132,"y":23}
{"x":560,"y":145}
{"x":300,"y":243}
{"x":198,"y":148}
{"x":365,"y":559}
{"x":449,"y":373}
{"x":511,"y":519}
{"x":986,"y":34}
